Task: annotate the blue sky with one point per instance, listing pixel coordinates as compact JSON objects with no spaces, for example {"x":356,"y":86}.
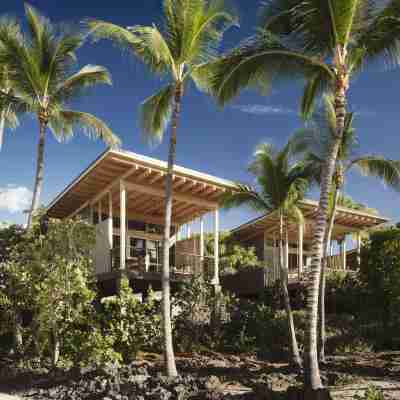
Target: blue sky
{"x":219,"y":142}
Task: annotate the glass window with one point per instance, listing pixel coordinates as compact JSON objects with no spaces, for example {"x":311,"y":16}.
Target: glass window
{"x":136,"y":247}
{"x":152,"y":251}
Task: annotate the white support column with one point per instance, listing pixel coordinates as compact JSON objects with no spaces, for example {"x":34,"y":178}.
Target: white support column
{"x":202,"y":238}
{"x":91,"y":214}
{"x":122,"y":227}
{"x":331,"y":248}
{"x":287,"y":255}
{"x":343,"y":253}
{"x":300,"y":248}
{"x":201,"y":250}
{"x":99,"y":212}
{"x":276,"y":259}
{"x":110,"y":220}
{"x":216,"y":248}
{"x":267,"y":275}
{"x":189,"y":230}
{"x":358,"y":249}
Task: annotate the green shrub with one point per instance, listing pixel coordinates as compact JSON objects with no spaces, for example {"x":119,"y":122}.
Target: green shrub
{"x":380,"y":276}
{"x":132,"y":325}
{"x":196,"y":308}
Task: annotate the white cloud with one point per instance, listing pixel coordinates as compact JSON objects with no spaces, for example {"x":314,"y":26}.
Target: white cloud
{"x":14,"y":199}
{"x":260,"y":109}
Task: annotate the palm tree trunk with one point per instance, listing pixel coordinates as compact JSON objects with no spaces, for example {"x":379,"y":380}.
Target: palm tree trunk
{"x":312,"y":377}
{"x":55,"y":347}
{"x":328,"y":236}
{"x":39,"y":172}
{"x":2,"y":126}
{"x":295,"y":360}
{"x":166,"y":288}
{"x":17,"y":333}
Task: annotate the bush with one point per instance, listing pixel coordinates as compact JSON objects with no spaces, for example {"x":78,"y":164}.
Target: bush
{"x":197,"y":308}
{"x":380,"y":277}
{"x":132,"y":325}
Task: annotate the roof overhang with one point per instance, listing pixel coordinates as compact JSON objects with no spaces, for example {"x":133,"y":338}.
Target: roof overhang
{"x":195,"y":193}
{"x":346,"y":221}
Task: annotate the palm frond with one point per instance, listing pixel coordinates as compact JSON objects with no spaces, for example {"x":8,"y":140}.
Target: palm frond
{"x":314,"y":88}
{"x":247,"y":196}
{"x":152,"y":49}
{"x":204,"y":30}
{"x":257,"y":62}
{"x":388,"y":171}
{"x":120,"y":36}
{"x":156,"y":113}
{"x":381,"y":39}
{"x":88,"y":76}
{"x":64,"y":122}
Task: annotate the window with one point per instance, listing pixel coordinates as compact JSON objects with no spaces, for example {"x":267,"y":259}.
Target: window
{"x":136,"y":247}
{"x":152,"y":251}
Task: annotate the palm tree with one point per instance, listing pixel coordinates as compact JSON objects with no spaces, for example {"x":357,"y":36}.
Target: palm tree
{"x":39,"y":67}
{"x":192,"y":32}
{"x":313,"y":143}
{"x":326,"y":43}
{"x":281,"y":185}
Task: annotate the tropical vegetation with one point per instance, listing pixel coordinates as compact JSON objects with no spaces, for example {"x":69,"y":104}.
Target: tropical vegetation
{"x":50,"y":306}
{"x":326,"y":44}
{"x":313,"y":143}
{"x":281,"y":184}
{"x":181,"y":50}
{"x":39,"y":78}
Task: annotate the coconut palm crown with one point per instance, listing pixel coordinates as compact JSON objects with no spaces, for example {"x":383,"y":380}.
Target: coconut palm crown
{"x":40,"y":65}
{"x":178,"y":52}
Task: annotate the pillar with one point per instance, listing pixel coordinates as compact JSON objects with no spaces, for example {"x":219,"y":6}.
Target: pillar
{"x":202,"y":243}
{"x":267,"y":272}
{"x":99,"y":212}
{"x":189,"y":230}
{"x":358,"y":249}
{"x":343,"y":253}
{"x":216,"y":248}
{"x":91,"y":214}
{"x":110,"y":220}
{"x":300,"y":249}
{"x":122,"y":227}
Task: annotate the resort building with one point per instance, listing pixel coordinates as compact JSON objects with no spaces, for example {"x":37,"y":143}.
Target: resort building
{"x":122,"y":194}
{"x":262,"y":233}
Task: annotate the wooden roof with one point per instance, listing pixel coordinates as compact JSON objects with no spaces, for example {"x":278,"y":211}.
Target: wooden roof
{"x":346,"y":221}
{"x":195,"y":193}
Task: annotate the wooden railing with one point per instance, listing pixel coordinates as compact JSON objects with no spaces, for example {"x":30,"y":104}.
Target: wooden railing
{"x":185,"y":263}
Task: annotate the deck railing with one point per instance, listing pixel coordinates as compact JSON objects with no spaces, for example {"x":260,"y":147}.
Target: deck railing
{"x":185,"y":263}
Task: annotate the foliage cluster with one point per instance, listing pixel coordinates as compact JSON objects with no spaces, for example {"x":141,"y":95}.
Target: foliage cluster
{"x":49,"y":301}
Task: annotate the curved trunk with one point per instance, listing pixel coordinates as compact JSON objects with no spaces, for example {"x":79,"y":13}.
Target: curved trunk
{"x":327,"y":241}
{"x":294,"y":348}
{"x":39,"y":172}
{"x":166,"y":288}
{"x":312,"y":378}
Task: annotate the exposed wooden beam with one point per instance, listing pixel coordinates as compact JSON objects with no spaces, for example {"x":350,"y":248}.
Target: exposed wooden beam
{"x":178,"y":196}
{"x":109,"y":187}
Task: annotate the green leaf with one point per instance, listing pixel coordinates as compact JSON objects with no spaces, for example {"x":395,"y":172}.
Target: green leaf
{"x":156,"y":112}
{"x":63,"y":123}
